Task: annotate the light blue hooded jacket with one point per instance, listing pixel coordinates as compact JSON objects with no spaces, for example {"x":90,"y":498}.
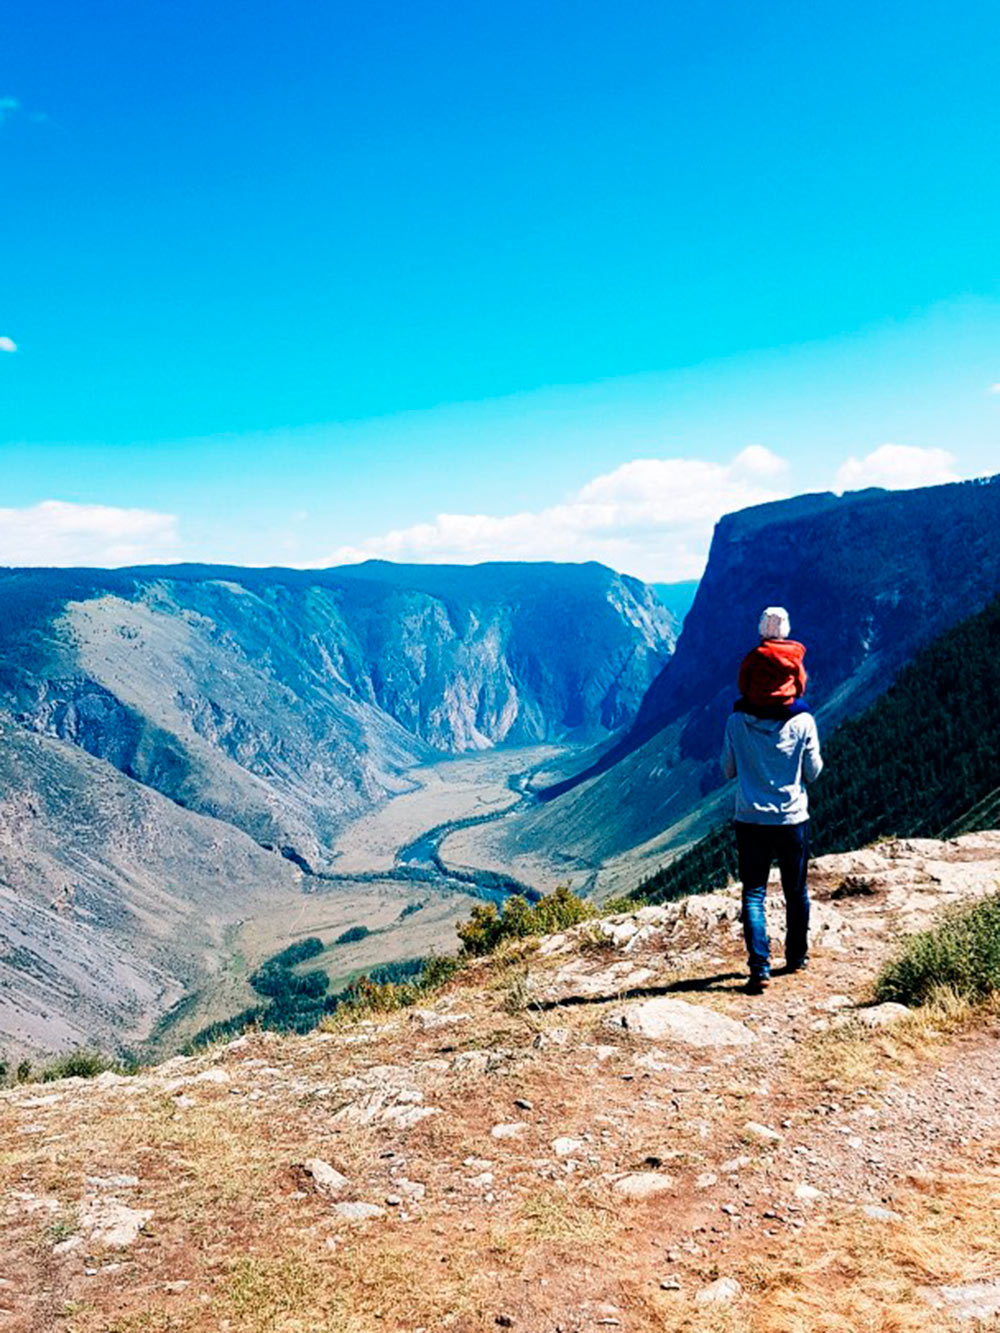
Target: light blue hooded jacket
{"x":772,"y":761}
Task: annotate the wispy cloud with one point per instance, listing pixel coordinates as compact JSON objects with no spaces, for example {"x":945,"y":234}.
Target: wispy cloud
{"x":897,"y":467}
{"x":10,"y":107}
{"x":7,"y":344}
{"x":994,"y":388}
{"x":56,"y":532}
{"x":652,"y":517}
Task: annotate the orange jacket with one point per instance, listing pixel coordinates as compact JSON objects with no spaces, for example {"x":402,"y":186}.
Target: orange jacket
{"x":773,"y":673}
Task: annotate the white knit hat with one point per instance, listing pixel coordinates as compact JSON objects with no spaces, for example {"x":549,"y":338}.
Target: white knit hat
{"x":774,"y":623}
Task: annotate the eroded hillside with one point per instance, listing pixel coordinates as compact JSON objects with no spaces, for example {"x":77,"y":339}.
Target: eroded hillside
{"x":597,"y":1130}
{"x":287,"y":702}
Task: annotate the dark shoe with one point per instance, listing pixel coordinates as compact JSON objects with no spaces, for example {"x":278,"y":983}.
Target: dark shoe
{"x":758,"y":984}
{"x":799,"y":965}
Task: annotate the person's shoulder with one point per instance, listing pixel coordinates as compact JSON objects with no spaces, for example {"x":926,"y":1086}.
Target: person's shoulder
{"x":803,"y":723}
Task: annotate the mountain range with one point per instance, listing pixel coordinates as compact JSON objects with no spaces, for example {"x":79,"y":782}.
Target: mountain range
{"x":180,"y":747}
{"x":284,"y":702}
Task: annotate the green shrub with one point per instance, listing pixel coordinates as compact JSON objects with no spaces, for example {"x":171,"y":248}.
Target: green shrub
{"x":486,"y":928}
{"x":296,"y":953}
{"x":352,"y":935}
{"x":77,"y":1064}
{"x":370,"y":995}
{"x":624,"y":902}
{"x":961,"y":954}
{"x":438,"y":969}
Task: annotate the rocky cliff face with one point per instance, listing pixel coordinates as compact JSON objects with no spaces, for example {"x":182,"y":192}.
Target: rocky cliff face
{"x":284,"y":702}
{"x":868,"y":579}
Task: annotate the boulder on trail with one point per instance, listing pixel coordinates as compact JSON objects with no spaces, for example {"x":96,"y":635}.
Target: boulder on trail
{"x":665,"y":1018}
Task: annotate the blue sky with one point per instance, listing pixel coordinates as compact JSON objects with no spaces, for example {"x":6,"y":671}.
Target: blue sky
{"x":308,"y":282}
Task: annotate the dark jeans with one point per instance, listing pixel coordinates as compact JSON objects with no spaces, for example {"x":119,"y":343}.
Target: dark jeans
{"x":758,"y":845}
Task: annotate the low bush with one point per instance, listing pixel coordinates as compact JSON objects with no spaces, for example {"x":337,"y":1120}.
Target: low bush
{"x":352,"y":935}
{"x":367,"y":995}
{"x":961,"y":955}
{"x":297,"y":952}
{"x":487,"y":927}
{"x":76,"y":1064}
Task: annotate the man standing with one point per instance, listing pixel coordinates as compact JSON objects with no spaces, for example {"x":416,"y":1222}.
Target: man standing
{"x":772,"y":757}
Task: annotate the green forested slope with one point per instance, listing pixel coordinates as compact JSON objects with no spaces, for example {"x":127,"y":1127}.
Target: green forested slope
{"x":922,"y":761}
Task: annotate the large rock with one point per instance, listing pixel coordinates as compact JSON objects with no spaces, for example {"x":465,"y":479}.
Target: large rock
{"x":666,"y":1019}
{"x":112,"y":1225}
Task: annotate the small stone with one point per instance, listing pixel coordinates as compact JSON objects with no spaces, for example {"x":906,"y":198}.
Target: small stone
{"x":761,"y":1133}
{"x":514,"y":1130}
{"x":671,"y":1283}
{"x":358,"y":1212}
{"x":706,"y":1180}
{"x":524,"y":1104}
{"x":720,"y":1292}
{"x":808,"y":1194}
{"x":644,"y":1184}
{"x":393,"y":1200}
{"x":880,"y":1015}
{"x":68,"y":1245}
{"x":117,"y":1182}
{"x":326,"y":1178}
{"x":553,"y":1037}
{"x":566,"y":1146}
{"x":877,"y":1214}
{"x":736,"y":1164}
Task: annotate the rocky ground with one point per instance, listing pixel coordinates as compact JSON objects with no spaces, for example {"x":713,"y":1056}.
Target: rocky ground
{"x":601,"y":1130}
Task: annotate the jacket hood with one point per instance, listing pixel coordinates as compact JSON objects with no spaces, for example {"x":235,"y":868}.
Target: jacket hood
{"x":789,"y":652}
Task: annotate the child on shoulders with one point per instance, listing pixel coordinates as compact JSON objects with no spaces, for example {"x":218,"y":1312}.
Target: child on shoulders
{"x":772,"y":677}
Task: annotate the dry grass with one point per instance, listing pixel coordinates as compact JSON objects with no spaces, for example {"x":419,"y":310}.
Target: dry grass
{"x":852,"y":1055}
{"x":566,"y":1220}
{"x":847,"y":1274}
{"x":853,"y":1275}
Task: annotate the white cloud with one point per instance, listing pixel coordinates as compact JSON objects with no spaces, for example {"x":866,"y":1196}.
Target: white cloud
{"x":7,"y":344}
{"x":994,"y":388}
{"x":652,"y":517}
{"x":897,"y":467}
{"x":58,"y":533}
{"x":9,"y":106}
